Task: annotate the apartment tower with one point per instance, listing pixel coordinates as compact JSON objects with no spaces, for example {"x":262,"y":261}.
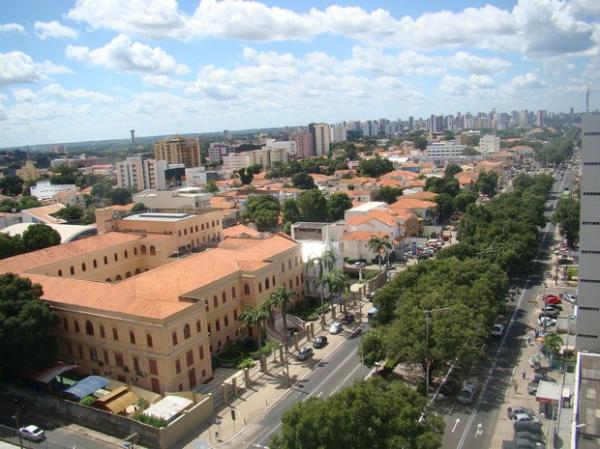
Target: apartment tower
{"x":321,"y":138}
{"x":178,"y":150}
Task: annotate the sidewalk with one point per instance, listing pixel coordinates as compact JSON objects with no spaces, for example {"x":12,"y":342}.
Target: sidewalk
{"x":267,"y":388}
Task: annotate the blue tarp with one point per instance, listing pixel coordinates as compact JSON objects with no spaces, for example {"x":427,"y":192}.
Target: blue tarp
{"x":372,"y":310}
{"x":87,"y":386}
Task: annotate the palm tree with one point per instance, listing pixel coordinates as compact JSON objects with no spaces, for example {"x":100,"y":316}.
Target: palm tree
{"x":553,"y":344}
{"x":379,"y":245}
{"x":282,"y":297}
{"x":335,"y":281}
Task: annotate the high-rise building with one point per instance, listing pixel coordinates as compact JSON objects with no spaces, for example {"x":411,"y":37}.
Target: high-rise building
{"x":321,"y":138}
{"x":304,"y":146}
{"x":539,"y":120}
{"x":178,"y":150}
{"x":140,"y":174}
{"x":489,"y":144}
{"x":226,"y":134}
{"x":338,"y":133}
{"x":588,"y":300}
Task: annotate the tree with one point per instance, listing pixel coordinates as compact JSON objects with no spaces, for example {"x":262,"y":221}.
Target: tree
{"x":263,"y":211}
{"x":303,"y":181}
{"x":252,"y":317}
{"x":102,"y":189}
{"x":451,"y":170}
{"x":282,"y":297}
{"x":10,"y":246}
{"x":372,"y":348}
{"x":291,"y":214}
{"x":138,"y":208}
{"x":389,"y":194}
{"x":375,"y":167}
{"x":211,"y":187}
{"x":445,"y":206}
{"x":312,"y":206}
{"x":380,"y":245}
{"x":11,"y":185}
{"x":266,"y":220}
{"x":567,"y":217}
{"x":26,"y":325}
{"x":254,"y":169}
{"x":336,"y":283}
{"x":552,"y":344}
{"x":245,"y":176}
{"x":120,"y":196}
{"x":419,"y":141}
{"x":337,"y":204}
{"x":70,"y":213}
{"x":39,"y":236}
{"x":64,"y":175}
{"x":463,"y":199}
{"x":487,"y":183}
{"x":373,"y":414}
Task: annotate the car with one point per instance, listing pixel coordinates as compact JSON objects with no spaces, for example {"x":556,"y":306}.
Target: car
{"x":539,"y":377}
{"x":355,"y":332}
{"x":335,"y":328}
{"x":347,"y":318}
{"x":556,"y":307}
{"x":32,"y":433}
{"x":467,"y":394}
{"x":304,"y":353}
{"x":524,"y":417}
{"x":548,"y":314}
{"x":570,"y":297}
{"x":497,"y":330}
{"x":516,"y":410}
{"x":529,"y":426}
{"x":551,"y":299}
{"x":528,"y":444}
{"x":319,"y":341}
{"x":546,"y":321}
{"x":534,"y":436}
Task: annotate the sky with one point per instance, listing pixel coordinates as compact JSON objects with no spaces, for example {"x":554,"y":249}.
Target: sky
{"x":94,"y":69}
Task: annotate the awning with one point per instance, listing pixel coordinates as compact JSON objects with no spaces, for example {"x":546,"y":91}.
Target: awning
{"x":87,"y":386}
{"x":548,"y":392}
{"x":46,"y":375}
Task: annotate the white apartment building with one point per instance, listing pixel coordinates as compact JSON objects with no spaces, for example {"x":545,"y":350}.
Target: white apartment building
{"x":445,"y":150}
{"x":489,"y":144}
{"x":185,"y":198}
{"x":43,"y":190}
{"x":139,"y":174}
{"x":338,"y":132}
{"x":288,"y":145}
{"x":588,"y":300}
{"x":235,"y":161}
{"x":264,"y":157}
{"x":321,"y":138}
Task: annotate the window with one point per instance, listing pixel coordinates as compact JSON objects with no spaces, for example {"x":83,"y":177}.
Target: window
{"x":135,"y":251}
{"x":125,"y":254}
{"x":189,"y":358}
{"x":235,"y":315}
{"x":185,"y":231}
{"x":60,"y":272}
{"x":177,"y":366}
{"x":95,"y":263}
{"x":201,"y":352}
{"x":246,"y":289}
{"x":105,"y":353}
{"x":80,"y":349}
{"x":203,"y":373}
{"x":290,"y":264}
{"x":89,"y":328}
{"x":206,"y":307}
{"x":198,"y":326}
{"x":118,"y":277}
{"x":196,"y":228}
{"x":153,"y":250}
{"x":128,"y":274}
{"x":153,"y":365}
{"x":116,"y":257}
{"x":72,"y":270}
{"x":217,"y":325}
{"x":267,"y":284}
{"x":259,"y":287}
{"x":155,"y":385}
{"x":143,"y":250}
{"x":297,"y":283}
{"x":296,"y":261}
{"x":217,"y":222}
{"x":76,"y":326}
{"x":213,"y":223}
{"x":102,"y":333}
{"x":93,"y":354}
{"x":178,"y":233}
{"x":115,"y":334}
{"x":224,"y":297}
{"x":233,"y":292}
{"x":105,"y":260}
{"x":302,"y":278}
{"x":83,"y":267}
{"x":149,"y":341}
{"x":65,"y":324}
{"x":215,"y":301}
{"x":191,"y":229}
{"x":290,"y":283}
{"x":202,"y":227}
{"x":174,"y":338}
{"x":186,"y":331}
{"x":136,"y":364}
{"x":192,"y":377}
{"x":282,"y":267}
{"x":131,"y":337}
{"x":226,"y":321}
{"x":209,"y":330}
{"x":119,"y":360}
{"x":273,"y":281}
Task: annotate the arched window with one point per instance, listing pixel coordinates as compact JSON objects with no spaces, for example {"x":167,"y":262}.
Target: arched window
{"x":76,"y":326}
{"x":125,"y":254}
{"x":215,"y":301}
{"x":174,"y":338}
{"x":128,"y":274}
{"x":267,"y":284}
{"x":187,"y":333}
{"x":60,"y":272}
{"x":153,"y":250}
{"x":131,"y":337}
{"x":137,"y":271}
{"x":259,"y":287}
{"x":273,"y":281}
{"x":135,"y":251}
{"x":115,"y":334}
{"x":202,"y":227}
{"x":89,"y":328}
{"x":118,"y":277}
{"x":143,"y":250}
{"x":83,"y":267}
{"x":149,"y":341}
{"x":95,"y":263}
{"x":196,"y":227}
{"x":224,"y":296}
{"x":233,"y":292}
{"x":185,"y":231}
{"x":72,"y":269}
{"x":246,"y":289}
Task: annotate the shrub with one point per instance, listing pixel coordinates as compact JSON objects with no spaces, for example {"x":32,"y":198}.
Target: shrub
{"x":247,"y":362}
{"x":150,"y":420}
{"x":88,"y":400}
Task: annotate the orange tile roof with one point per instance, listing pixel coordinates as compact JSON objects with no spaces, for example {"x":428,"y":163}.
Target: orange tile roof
{"x":364,"y":235}
{"x":412,"y":203}
{"x":42,"y":213}
{"x":238,"y":230}
{"x":424,"y":195}
{"x":379,"y":215}
{"x":466,"y":178}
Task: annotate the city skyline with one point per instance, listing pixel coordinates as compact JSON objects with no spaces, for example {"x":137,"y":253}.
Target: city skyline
{"x":88,"y":70}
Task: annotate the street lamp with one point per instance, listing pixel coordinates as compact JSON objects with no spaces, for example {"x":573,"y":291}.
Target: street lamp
{"x":427,"y":314}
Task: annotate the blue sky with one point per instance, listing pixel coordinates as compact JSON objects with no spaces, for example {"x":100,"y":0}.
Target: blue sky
{"x":93,"y":69}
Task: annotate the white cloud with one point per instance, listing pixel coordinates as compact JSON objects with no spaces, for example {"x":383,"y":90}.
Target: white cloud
{"x":456,"y":85}
{"x":49,"y":68}
{"x":162,"y":81}
{"x":125,"y":55}
{"x":17,"y":67}
{"x":23,"y":95}
{"x":534,"y":27}
{"x":526,"y":81}
{"x":45,"y":30}
{"x":11,"y":28}
{"x":476,"y":64}
{"x":58,"y":91}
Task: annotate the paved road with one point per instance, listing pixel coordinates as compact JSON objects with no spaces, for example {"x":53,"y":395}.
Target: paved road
{"x":340,"y":369}
{"x":472,"y":427}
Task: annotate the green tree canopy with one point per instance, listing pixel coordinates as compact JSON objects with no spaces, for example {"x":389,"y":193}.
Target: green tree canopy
{"x":120,"y":196}
{"x":303,"y":181}
{"x":313,"y":206}
{"x":137,"y":208}
{"x":389,"y":194}
{"x":211,"y":187}
{"x":70,"y":213}
{"x":39,"y":236}
{"x":263,"y":211}
{"x":245,"y":176}
{"x":487,"y":183}
{"x":463,"y":199}
{"x":567,"y":217}
{"x":291,"y":213}
{"x":337,"y":204}
{"x":26,"y":325}
{"x":373,"y":414}
{"x":11,"y":185}
{"x":451,"y":170}
{"x":375,"y":167}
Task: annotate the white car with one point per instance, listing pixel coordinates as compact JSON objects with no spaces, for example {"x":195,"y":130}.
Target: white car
{"x":497,"y":330}
{"x":335,"y":328}
{"x":546,"y":321}
{"x":518,"y":417}
{"x":33,"y":433}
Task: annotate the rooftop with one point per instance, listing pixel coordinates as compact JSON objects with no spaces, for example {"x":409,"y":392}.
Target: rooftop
{"x":158,"y":216}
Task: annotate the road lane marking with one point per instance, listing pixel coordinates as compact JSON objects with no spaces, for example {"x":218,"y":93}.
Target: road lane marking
{"x":345,"y":379}
{"x":320,"y":394}
{"x":456,"y":423}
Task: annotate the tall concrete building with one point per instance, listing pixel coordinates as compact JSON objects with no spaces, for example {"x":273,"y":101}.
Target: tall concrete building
{"x":140,"y":174}
{"x":304,"y":146}
{"x":321,"y":138}
{"x":588,"y":301}
{"x":178,"y":150}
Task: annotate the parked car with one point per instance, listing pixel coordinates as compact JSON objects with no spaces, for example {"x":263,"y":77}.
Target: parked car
{"x":546,"y":321}
{"x":467,"y":394}
{"x":320,"y":342}
{"x":524,"y":417}
{"x":517,"y":410}
{"x":529,"y":426}
{"x":335,"y":328}
{"x":32,"y":433}
{"x":556,"y":307}
{"x":539,"y":377}
{"x":355,"y":332}
{"x":548,"y":314}
{"x":531,"y":435}
{"x":347,"y":318}
{"x":551,"y":299}
{"x":497,"y":330}
{"x":570,"y":297}
{"x":528,"y":444}
{"x":304,"y":353}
